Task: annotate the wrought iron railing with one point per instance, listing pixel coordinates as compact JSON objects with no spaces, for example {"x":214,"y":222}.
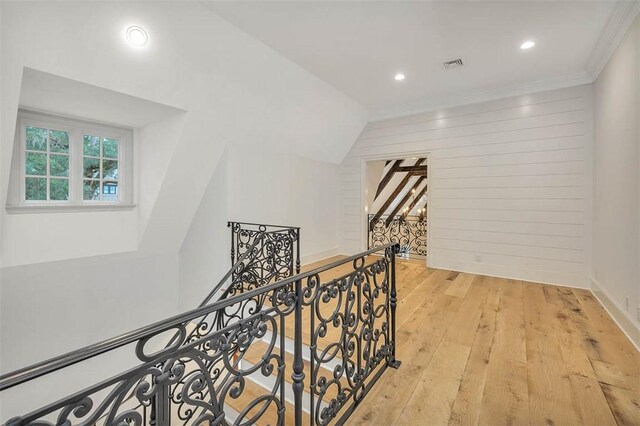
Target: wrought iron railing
{"x":410,"y":232}
{"x":203,"y":375}
{"x":260,"y":255}
{"x":275,"y":257}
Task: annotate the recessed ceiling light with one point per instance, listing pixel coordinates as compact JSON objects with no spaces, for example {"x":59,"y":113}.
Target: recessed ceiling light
{"x":527,"y":45}
{"x":136,"y":36}
{"x":399,"y":77}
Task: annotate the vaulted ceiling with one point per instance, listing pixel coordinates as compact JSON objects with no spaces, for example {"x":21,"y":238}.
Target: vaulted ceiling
{"x":358,"y":47}
{"x":402,"y":189}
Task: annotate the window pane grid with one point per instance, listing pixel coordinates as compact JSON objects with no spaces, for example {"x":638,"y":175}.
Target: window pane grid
{"x":69,"y":161}
{"x":100,"y":168}
{"x":42,"y":181}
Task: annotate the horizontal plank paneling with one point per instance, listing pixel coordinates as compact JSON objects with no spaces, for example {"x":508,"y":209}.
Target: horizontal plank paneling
{"x":516,"y":146}
{"x":512,"y":227}
{"x":525,"y":181}
{"x":512,"y":261}
{"x":512,"y":158}
{"x":504,"y":237}
{"x":531,"y":192}
{"x":510,"y":114}
{"x":555,"y":205}
{"x":354,"y":211}
{"x":518,"y":250}
{"x":509,"y":180}
{"x":471,"y":110}
{"x":523,"y":216}
{"x":521,"y":123}
{"x":505,"y":137}
{"x":510,"y":170}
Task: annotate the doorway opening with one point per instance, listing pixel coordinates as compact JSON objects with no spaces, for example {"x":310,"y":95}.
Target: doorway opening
{"x":396,"y":204}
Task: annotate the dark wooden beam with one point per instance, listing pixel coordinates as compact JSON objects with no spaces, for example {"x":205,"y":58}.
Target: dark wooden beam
{"x":385,"y":180}
{"x":415,"y":200}
{"x":404,"y":201}
{"x":413,"y":168}
{"x":393,"y":195}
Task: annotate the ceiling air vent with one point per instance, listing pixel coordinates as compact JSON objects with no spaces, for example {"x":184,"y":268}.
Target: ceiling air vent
{"x":449,"y":65}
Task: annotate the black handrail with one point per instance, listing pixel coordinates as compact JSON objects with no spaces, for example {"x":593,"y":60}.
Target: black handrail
{"x":51,"y":365}
{"x":264,"y":224}
{"x":195,"y":376}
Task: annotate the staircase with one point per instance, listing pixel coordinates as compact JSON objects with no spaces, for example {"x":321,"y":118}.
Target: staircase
{"x":268,"y":346}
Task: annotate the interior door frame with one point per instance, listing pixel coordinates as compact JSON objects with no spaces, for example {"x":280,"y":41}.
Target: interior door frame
{"x":364,"y":159}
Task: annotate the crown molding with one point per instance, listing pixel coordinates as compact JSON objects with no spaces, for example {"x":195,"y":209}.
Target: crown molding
{"x":476,"y":97}
{"x":621,"y":19}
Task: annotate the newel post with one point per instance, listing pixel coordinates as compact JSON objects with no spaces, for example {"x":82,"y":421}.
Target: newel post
{"x":233,"y":251}
{"x":393,"y":301}
{"x":298,"y":252}
{"x":298,"y":364}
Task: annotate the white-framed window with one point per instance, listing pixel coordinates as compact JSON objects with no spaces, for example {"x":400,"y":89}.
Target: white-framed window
{"x":62,"y":163}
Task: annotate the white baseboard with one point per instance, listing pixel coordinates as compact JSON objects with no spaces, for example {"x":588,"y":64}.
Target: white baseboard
{"x":321,"y":255}
{"x":564,"y":279}
{"x":621,"y":317}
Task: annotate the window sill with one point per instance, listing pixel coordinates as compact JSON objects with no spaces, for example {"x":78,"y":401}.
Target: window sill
{"x":64,"y":208}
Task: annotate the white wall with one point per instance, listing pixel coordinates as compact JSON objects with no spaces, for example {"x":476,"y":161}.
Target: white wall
{"x":51,"y":308}
{"x":89,"y":233}
{"x":616,"y":221}
{"x":510,"y":182}
{"x":262,"y":186}
{"x":267,"y":186}
{"x":232,"y":88}
{"x":62,"y":305}
{"x":204,"y":255}
{"x":374,"y":173}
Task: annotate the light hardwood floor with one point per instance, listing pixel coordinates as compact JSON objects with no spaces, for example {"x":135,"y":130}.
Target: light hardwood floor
{"x":484,"y":350}
{"x":491,"y":351}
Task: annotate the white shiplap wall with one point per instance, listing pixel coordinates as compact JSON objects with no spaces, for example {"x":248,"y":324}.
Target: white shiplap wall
{"x":510,"y":184}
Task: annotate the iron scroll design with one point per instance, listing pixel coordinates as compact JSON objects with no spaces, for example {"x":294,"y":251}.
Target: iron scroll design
{"x":352,"y":327}
{"x":262,"y":254}
{"x":275,"y":257}
{"x":410,"y":232}
{"x":208,"y":374}
{"x":192,"y":381}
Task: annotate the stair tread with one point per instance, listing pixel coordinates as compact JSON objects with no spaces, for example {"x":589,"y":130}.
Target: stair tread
{"x":258,"y":348}
{"x":333,"y":334}
{"x":256,"y":351}
{"x":251,"y":392}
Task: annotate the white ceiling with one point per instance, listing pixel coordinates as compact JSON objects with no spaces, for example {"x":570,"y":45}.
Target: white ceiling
{"x":359,"y":46}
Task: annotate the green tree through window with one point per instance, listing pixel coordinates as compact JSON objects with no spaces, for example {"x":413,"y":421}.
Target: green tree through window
{"x":46,"y":164}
